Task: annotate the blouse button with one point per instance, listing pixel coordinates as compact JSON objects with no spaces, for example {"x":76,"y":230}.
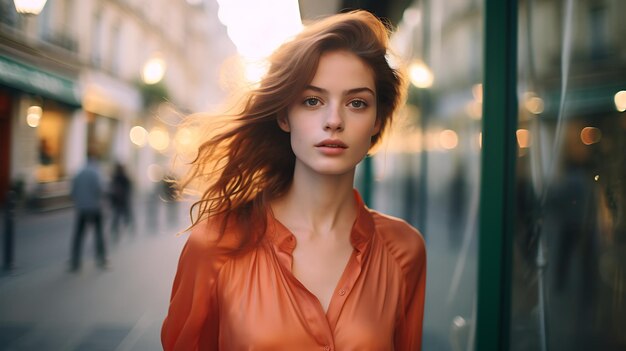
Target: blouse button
{"x":326,"y":348}
{"x":342,"y":292}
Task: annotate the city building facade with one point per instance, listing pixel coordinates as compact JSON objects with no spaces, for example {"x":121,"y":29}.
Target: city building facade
{"x":73,"y":79}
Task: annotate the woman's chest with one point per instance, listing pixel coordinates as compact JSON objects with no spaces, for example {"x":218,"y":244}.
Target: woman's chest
{"x":263,"y":306}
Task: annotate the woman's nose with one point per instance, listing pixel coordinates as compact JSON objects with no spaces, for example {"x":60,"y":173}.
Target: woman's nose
{"x":334,"y":119}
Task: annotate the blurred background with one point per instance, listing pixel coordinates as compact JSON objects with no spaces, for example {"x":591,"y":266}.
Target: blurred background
{"x":116,"y":76}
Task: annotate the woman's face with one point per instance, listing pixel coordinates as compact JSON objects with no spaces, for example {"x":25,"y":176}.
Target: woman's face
{"x":333,"y":120}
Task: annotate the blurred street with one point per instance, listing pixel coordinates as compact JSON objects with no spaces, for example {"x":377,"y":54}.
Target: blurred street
{"x":45,"y":307}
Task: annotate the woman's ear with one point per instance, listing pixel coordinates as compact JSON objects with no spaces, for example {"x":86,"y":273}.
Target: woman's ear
{"x":283,"y":123}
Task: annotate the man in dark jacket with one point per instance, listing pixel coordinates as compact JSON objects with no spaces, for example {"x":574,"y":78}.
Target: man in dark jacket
{"x":87,"y":193}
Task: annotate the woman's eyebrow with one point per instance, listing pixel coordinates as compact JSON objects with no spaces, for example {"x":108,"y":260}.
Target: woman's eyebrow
{"x":347,"y":92}
{"x":359,"y":90}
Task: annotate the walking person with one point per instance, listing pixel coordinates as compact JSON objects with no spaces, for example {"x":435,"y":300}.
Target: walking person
{"x":87,"y":193}
{"x":284,"y":254}
{"x":120,"y":195}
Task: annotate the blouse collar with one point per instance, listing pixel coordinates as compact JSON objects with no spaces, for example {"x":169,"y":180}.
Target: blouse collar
{"x":360,"y":236}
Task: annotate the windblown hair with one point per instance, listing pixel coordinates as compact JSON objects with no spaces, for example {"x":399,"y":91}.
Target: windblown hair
{"x":250,"y":160}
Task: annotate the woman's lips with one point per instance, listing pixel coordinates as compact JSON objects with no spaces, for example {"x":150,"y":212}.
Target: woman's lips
{"x":331,"y":143}
{"x":331,"y":147}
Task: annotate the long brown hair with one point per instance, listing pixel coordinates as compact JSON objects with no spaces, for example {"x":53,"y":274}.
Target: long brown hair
{"x":249,"y":160}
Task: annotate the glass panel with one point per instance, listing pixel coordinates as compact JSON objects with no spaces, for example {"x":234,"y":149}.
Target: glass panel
{"x":427,"y":172}
{"x":569,"y":269}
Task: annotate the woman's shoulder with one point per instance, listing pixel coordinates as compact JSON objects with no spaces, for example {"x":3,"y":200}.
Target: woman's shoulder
{"x":214,"y":235}
{"x":403,"y":240}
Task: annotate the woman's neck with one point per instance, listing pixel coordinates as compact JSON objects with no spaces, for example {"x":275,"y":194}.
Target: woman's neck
{"x":317,"y":204}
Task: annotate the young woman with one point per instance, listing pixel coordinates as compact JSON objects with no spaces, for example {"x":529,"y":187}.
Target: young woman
{"x":284,"y":254}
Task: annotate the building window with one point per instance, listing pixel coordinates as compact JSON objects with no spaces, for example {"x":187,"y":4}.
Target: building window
{"x":51,"y":142}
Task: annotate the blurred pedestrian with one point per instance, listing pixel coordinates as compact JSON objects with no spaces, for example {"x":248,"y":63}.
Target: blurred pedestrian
{"x":284,"y":254}
{"x":87,"y":193}
{"x":120,"y":195}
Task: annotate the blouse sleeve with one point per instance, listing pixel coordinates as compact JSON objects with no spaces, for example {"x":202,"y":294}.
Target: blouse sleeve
{"x":192,"y":318}
{"x":409,"y":331}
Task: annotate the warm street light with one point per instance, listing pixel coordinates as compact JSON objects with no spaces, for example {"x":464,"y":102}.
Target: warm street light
{"x":154,"y":70}
{"x":420,"y":75}
{"x":29,"y":7}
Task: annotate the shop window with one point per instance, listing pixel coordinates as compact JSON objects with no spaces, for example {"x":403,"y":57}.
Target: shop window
{"x":101,"y":136}
{"x":51,"y":144}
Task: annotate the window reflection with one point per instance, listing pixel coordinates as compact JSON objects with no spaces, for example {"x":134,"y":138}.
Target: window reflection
{"x":569,"y":265}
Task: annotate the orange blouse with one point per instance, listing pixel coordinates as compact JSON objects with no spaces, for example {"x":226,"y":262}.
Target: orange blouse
{"x":254,"y":302}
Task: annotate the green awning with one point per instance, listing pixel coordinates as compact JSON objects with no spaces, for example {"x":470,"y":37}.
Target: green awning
{"x":36,"y":81}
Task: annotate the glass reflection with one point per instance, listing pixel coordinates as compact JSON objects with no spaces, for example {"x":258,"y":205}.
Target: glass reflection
{"x":569,"y":262}
{"x":428,"y":173}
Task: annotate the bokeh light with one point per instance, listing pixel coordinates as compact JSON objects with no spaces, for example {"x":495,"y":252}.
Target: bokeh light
{"x":420,"y":75}
{"x":154,"y":70}
{"x":523,"y":138}
{"x":138,"y":135}
{"x":159,"y":138}
{"x":448,"y":139}
{"x":33,"y":116}
{"x":533,"y":103}
{"x":590,"y":135}
{"x":620,"y":100}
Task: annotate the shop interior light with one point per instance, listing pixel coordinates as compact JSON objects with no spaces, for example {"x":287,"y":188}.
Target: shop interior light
{"x":29,"y":7}
{"x":33,"y":115}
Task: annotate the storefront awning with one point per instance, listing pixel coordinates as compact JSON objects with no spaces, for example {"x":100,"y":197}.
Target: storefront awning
{"x":36,"y":81}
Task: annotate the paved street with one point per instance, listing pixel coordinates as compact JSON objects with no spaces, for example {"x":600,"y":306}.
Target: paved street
{"x":44,"y":307}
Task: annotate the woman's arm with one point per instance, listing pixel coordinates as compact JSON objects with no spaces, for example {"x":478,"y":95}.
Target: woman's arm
{"x":409,"y":330}
{"x":192,"y":321}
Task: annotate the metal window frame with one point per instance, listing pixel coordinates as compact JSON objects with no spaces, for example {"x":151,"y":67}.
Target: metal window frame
{"x":499,"y":148}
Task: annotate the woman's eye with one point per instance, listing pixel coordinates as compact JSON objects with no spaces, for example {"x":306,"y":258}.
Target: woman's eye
{"x":311,"y":102}
{"x":358,"y":104}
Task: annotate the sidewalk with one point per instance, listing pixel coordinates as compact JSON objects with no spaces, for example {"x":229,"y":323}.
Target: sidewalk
{"x":44,"y":307}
